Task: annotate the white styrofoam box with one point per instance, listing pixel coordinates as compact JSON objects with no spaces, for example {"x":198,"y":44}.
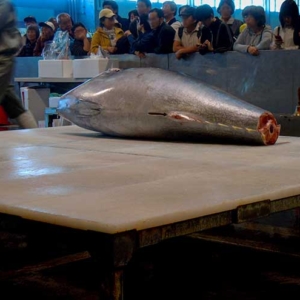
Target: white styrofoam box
{"x":35,"y":99}
{"x":89,"y":68}
{"x":56,"y":68}
{"x":53,"y":101}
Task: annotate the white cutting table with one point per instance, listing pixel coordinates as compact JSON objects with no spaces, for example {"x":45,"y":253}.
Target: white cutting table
{"x":147,"y":190}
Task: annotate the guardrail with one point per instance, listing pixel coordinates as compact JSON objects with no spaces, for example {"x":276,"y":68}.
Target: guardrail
{"x":269,"y":81}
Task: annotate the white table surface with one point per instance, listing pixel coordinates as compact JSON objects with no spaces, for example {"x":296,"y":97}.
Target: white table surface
{"x":80,"y":179}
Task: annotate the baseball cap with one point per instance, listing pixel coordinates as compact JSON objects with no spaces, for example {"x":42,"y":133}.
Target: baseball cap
{"x":190,"y":11}
{"x":47,"y":24}
{"x":107,"y":13}
{"x":30,"y":18}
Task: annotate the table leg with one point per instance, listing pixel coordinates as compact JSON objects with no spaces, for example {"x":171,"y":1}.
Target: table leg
{"x":111,"y":286}
{"x":112,"y":253}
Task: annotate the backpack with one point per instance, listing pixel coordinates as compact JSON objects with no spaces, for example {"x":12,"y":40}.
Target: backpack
{"x":123,"y":45}
{"x":224,"y":49}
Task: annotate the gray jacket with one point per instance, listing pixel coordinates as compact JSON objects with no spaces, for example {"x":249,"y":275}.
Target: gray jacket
{"x":261,"y":41}
{"x":10,"y":37}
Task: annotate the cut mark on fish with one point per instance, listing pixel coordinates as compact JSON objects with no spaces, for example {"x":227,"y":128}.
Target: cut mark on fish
{"x":184,"y":117}
{"x":157,"y":114}
{"x":236,"y":127}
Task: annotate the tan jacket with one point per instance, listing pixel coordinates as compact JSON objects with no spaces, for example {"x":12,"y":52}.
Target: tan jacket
{"x":100,"y":38}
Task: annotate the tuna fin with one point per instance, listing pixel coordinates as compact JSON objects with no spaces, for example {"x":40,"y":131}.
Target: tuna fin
{"x":109,"y":72}
{"x":178,"y":116}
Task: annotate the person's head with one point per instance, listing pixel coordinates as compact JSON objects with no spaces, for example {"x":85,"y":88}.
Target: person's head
{"x":226,"y":9}
{"x":112,"y":5}
{"x":54,"y":21}
{"x":32,"y":33}
{"x":188,"y":17}
{"x":79,"y":31}
{"x":143,"y":7}
{"x":288,"y":14}
{"x":169,"y":9}
{"x":182,"y":8}
{"x":132,"y":15}
{"x":254,"y":16}
{"x":30,"y":20}
{"x":205,"y":14}
{"x":155,"y":18}
{"x":48,"y":30}
{"x":65,"y":22}
{"x":107,"y":18}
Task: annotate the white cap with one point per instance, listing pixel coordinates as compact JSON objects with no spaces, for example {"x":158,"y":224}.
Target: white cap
{"x":47,"y":24}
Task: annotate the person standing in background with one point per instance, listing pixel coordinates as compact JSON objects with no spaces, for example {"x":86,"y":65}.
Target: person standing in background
{"x":143,"y":8}
{"x":10,"y":44}
{"x":283,"y":37}
{"x":257,"y":36}
{"x":65,"y":23}
{"x":107,"y":34}
{"x":32,"y":35}
{"x":47,"y":35}
{"x":113,"y":6}
{"x":82,"y":44}
{"x":226,"y":10}
{"x":170,"y":11}
{"x":54,"y":22}
{"x":30,"y":20}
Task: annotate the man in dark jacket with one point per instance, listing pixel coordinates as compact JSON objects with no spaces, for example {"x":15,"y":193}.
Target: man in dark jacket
{"x":143,"y":8}
{"x":160,"y":40}
{"x":216,"y":35}
{"x":10,"y":44}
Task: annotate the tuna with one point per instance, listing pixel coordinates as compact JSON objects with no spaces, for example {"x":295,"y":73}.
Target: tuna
{"x":150,"y":103}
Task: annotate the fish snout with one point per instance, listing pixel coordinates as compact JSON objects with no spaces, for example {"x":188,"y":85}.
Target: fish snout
{"x":67,"y":103}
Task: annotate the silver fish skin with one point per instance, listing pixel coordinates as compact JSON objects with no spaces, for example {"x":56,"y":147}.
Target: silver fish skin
{"x":152,"y":103}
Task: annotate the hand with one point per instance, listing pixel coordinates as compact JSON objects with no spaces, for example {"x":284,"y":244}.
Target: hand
{"x":253,"y":50}
{"x":141,"y":28}
{"x":127,"y":33}
{"x":179,"y":54}
{"x":209,"y":45}
{"x":112,"y":49}
{"x":82,"y":36}
{"x":202,"y":46}
{"x":140,"y":54}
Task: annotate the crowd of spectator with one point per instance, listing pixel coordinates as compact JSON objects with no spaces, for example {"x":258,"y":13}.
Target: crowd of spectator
{"x":154,"y":30}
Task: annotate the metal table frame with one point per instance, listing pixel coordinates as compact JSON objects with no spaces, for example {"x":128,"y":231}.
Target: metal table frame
{"x":113,"y":252}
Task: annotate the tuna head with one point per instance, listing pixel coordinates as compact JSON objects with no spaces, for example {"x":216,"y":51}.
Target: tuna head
{"x":82,"y":105}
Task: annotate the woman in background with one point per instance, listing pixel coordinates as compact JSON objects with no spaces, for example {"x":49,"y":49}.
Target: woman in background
{"x":284,"y":34}
{"x":257,"y":36}
{"x":107,"y":34}
{"x":32,"y":35}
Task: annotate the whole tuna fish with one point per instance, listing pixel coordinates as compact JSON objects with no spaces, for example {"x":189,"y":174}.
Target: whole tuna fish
{"x":158,"y":104}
